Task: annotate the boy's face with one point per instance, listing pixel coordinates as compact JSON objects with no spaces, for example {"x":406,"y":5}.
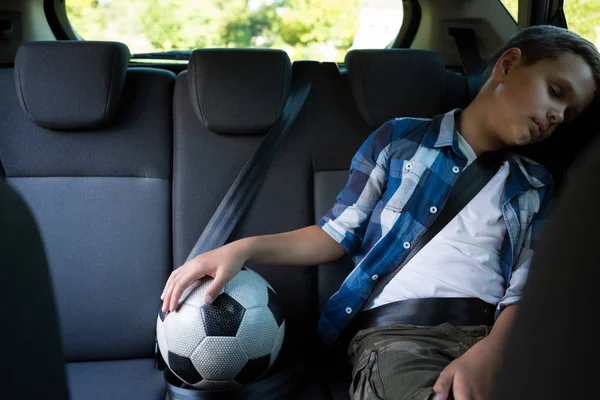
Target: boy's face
{"x":530,"y":101}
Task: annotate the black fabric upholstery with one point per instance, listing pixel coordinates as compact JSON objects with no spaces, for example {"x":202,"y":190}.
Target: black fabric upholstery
{"x":108,"y":245}
{"x":238,"y":91}
{"x":205,"y":165}
{"x":32,"y":361}
{"x":92,"y":188}
{"x":456,"y":95}
{"x":71,"y":84}
{"x":386,"y":82}
{"x":136,"y":145}
{"x":116,"y":380}
{"x":332,"y":120}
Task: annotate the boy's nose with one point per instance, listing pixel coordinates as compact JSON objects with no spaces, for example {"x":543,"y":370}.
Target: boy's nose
{"x":556,"y":116}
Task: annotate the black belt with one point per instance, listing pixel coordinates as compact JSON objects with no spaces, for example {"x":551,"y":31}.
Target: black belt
{"x":458,"y":311}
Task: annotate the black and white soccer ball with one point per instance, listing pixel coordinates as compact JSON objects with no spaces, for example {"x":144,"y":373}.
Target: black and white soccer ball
{"x":232,"y":342}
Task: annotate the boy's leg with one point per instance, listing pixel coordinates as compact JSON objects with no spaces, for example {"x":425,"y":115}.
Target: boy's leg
{"x":402,"y":362}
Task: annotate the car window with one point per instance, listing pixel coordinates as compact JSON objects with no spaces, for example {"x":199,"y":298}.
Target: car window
{"x":513,"y":8}
{"x":322,"y":30}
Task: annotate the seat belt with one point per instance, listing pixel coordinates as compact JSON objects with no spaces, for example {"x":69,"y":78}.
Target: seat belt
{"x":469,"y":183}
{"x":246,"y":184}
{"x":466,"y":42}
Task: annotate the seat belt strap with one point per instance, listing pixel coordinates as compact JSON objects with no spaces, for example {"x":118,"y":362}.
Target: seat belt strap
{"x":246,"y":184}
{"x":466,"y":42}
{"x":469,"y":183}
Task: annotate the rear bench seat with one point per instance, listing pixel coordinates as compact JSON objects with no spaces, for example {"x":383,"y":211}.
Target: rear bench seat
{"x":88,"y":144}
{"x":97,"y":174}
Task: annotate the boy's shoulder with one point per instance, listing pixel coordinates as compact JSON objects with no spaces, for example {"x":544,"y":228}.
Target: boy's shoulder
{"x":411,"y":122}
{"x":411,"y":128}
{"x":437,"y":131}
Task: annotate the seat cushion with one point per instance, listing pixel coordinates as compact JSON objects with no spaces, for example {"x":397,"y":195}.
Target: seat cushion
{"x":115,"y":380}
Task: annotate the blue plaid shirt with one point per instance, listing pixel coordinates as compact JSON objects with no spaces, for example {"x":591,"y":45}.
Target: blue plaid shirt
{"x":403,"y":171}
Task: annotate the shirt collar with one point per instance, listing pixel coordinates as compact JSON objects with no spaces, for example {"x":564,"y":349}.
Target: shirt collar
{"x":443,"y":133}
{"x":528,"y":172}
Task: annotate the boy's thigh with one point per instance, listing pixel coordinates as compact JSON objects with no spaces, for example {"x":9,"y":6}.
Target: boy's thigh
{"x":404,"y":362}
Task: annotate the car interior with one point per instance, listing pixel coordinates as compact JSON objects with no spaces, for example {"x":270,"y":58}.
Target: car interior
{"x":122,"y":156}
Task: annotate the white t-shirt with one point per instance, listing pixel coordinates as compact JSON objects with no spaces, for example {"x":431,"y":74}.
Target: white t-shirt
{"x":463,"y":259}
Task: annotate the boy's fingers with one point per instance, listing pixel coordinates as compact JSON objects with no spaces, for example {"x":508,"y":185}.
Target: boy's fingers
{"x":169,"y":290}
{"x":214,"y":288}
{"x":170,"y":280}
{"x":178,"y":287}
{"x":167,"y":299}
{"x":443,"y":385}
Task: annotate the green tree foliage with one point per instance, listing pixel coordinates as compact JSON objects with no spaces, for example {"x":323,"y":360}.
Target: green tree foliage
{"x":313,"y":29}
{"x":310,"y":26}
{"x":583,"y":17}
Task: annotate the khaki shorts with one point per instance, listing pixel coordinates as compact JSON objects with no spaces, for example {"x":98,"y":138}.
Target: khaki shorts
{"x":403,"y":362}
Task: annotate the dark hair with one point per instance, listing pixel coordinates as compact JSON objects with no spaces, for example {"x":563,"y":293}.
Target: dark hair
{"x":541,"y":42}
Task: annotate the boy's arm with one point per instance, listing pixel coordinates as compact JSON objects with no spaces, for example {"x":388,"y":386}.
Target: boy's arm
{"x":347,"y":220}
{"x":340,"y":230}
{"x":306,"y":246}
{"x":342,"y":227}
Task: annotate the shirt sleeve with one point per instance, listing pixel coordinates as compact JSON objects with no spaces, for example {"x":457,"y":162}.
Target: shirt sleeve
{"x":519,"y":274}
{"x":347,"y":220}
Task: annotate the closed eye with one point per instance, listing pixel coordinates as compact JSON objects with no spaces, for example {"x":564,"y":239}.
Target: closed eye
{"x":555,"y":91}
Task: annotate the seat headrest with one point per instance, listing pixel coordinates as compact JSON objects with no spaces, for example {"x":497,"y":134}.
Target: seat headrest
{"x":71,"y":84}
{"x":394,"y":83}
{"x":239,"y":91}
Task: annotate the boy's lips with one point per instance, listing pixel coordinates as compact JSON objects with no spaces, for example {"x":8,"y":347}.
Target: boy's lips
{"x":536,"y":131}
{"x":541,"y":128}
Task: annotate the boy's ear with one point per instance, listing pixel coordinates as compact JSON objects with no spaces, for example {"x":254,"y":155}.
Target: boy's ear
{"x":506,"y":62}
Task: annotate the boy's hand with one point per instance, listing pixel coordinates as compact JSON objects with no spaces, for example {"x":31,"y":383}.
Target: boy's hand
{"x":222,"y":264}
{"x":471,"y":376}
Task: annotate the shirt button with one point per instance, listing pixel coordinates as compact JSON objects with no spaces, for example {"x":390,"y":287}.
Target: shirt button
{"x":375,"y":277}
{"x":348,"y":310}
{"x":408,"y":166}
{"x":456,"y":170}
{"x":406,"y":245}
{"x":433,"y":210}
